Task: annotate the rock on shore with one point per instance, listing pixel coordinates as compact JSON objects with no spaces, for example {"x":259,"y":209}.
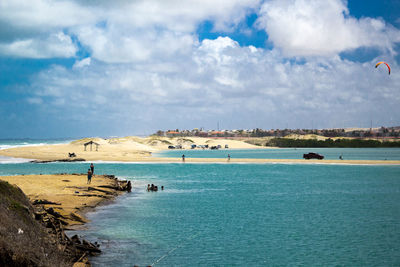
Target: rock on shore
{"x":32,"y":227}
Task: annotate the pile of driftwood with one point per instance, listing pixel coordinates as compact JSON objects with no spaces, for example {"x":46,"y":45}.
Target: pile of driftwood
{"x":74,"y":247}
{"x":58,"y":160}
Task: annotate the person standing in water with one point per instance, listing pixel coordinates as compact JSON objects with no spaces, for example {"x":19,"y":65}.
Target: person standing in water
{"x":89,"y":176}
{"x":229,"y":157}
{"x":92,"y":168}
{"x":183,"y":158}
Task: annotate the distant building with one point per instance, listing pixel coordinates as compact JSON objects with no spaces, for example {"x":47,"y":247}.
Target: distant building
{"x":172,"y":133}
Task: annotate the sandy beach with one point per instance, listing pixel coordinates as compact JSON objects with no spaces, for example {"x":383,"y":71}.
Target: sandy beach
{"x":137,"y":149}
{"x":125,"y":149}
{"x":71,"y":193}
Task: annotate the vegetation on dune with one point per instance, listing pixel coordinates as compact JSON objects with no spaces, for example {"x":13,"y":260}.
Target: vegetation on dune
{"x":154,"y":141}
{"x":184,"y":140}
{"x":342,"y":143}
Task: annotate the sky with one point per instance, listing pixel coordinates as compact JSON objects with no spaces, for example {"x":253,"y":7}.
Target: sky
{"x":83,"y":68}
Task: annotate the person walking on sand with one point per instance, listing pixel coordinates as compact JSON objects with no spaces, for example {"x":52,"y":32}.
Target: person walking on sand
{"x":89,"y":176}
{"x":183,"y":158}
{"x":92,"y":168}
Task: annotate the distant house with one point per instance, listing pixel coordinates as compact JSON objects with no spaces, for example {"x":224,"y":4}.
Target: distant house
{"x":172,"y":133}
{"x":217,"y":133}
{"x":202,"y":134}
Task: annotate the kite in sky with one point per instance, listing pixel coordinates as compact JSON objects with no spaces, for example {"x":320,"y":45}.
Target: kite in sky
{"x":379,"y":63}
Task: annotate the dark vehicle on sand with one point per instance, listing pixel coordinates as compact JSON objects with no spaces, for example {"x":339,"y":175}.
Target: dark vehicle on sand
{"x":312,"y":155}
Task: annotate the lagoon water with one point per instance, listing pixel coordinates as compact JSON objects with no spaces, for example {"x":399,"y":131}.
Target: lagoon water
{"x":245,"y":214}
{"x":290,"y":153}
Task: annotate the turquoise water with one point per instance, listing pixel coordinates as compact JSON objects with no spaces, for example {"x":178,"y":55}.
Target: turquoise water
{"x":245,"y":214}
{"x":290,"y":153}
{"x":252,"y":215}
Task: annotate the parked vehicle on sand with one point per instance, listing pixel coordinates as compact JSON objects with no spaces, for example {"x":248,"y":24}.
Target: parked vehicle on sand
{"x":312,"y":155}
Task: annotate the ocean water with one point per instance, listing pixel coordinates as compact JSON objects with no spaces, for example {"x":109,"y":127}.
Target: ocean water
{"x":10,"y":143}
{"x":245,"y":214}
{"x":251,"y":215}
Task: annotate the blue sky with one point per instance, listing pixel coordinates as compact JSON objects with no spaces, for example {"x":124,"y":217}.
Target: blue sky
{"x":77,"y":68}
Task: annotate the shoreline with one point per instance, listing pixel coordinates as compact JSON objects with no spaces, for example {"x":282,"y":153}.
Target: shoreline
{"x":168,"y":160}
{"x":57,"y":206}
{"x":68,"y":194}
{"x":147,"y":150}
{"x":161,"y":160}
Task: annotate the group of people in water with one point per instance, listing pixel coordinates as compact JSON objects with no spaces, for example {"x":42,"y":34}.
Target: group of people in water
{"x":153,"y":188}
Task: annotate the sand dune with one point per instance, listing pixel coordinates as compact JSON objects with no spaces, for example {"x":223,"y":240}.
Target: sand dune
{"x":116,"y":149}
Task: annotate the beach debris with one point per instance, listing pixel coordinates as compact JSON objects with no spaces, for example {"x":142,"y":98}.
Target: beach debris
{"x":120,"y":186}
{"x":76,"y":239}
{"x":381,"y":62}
{"x":79,"y":249}
{"x":44,"y":201}
{"x":76,"y":217}
{"x":20,"y":231}
{"x":58,"y":160}
{"x":54,"y":213}
{"x":100,"y":190}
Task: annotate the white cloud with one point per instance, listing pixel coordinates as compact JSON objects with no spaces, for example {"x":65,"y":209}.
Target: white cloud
{"x":322,"y":28}
{"x":182,"y":16}
{"x":117,"y":44}
{"x":146,"y":64}
{"x":82,"y":63}
{"x":54,"y":46}
{"x":240,"y":86}
{"x":45,"y":15}
{"x":127,"y":31}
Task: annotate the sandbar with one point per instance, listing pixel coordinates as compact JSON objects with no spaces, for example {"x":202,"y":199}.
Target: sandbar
{"x":138,"y":149}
